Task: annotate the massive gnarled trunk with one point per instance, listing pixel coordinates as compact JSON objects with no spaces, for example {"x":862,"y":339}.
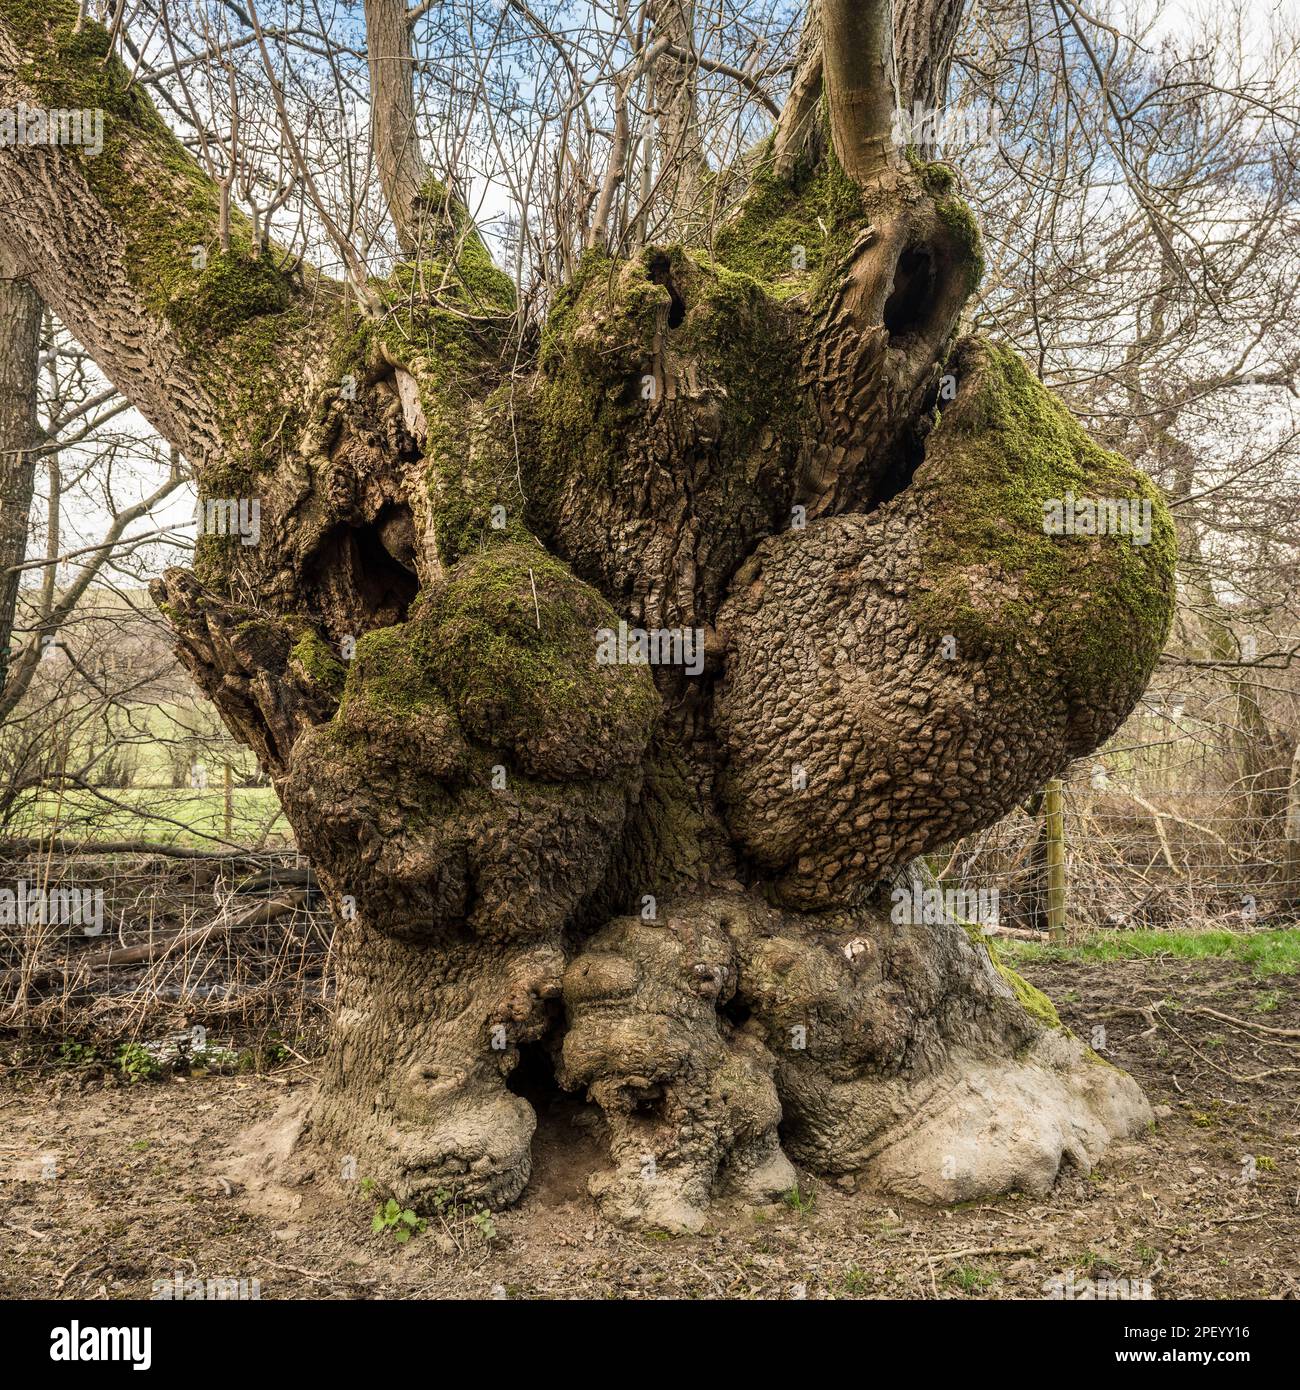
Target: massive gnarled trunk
{"x":774,"y":457}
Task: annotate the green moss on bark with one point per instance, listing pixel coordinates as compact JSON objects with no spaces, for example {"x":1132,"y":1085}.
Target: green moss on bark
{"x":474,"y":480}
{"x":515,"y":648}
{"x":789,"y":235}
{"x":231,"y":289}
{"x":392,"y":669}
{"x":940,"y":181}
{"x":794,"y":235}
{"x":447,"y":319}
{"x":319,"y":663}
{"x":507,"y":644}
{"x":613,"y":365}
{"x":1094,"y":609}
{"x":165,"y":205}
{"x":1030,"y":998}
{"x":598,"y":350}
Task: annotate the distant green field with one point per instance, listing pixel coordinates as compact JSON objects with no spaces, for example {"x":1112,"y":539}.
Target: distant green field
{"x":158,"y":744}
{"x":1268,"y":952}
{"x":149,"y":813}
{"x":164,"y":766}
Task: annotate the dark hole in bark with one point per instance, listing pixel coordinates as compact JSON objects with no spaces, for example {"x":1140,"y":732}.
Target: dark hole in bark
{"x":534,"y":1077}
{"x":908,"y":305}
{"x":385,"y":583}
{"x":661,"y":274}
{"x":570,"y":1141}
{"x":736,"y":1011}
{"x":908,"y":454}
{"x":356,"y":580}
{"x":395,"y":528}
{"x":900,"y":470}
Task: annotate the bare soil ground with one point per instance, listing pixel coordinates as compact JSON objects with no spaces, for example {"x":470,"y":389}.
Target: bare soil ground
{"x":1206,"y":1205}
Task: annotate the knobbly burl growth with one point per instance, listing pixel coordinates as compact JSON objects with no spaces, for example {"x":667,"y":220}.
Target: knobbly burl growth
{"x":675,"y":886}
{"x":655,"y":468}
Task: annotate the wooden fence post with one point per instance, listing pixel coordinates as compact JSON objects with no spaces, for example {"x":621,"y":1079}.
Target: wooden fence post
{"x":229,"y":806}
{"x":1053,"y":811}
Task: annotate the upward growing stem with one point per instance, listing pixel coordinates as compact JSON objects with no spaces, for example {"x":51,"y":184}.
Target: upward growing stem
{"x":391,"y":62}
{"x":858,"y":53}
{"x":20,"y":328}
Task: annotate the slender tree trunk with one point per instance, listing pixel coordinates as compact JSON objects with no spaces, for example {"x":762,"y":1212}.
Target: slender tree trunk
{"x":678,"y":144}
{"x":857,"y":60}
{"x":1291,"y":830}
{"x":20,"y":325}
{"x":391,"y":61}
{"x":925,"y":35}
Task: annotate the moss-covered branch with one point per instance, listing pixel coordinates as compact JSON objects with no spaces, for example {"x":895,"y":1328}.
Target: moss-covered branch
{"x":125,"y":240}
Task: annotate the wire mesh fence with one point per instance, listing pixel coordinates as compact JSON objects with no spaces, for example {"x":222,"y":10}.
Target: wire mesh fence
{"x":109,"y":942}
{"x":1158,"y":834}
{"x":1149,"y":858}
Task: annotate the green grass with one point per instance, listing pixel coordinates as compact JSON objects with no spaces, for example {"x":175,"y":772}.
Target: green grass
{"x":802,"y":1202}
{"x":1267,"y":952}
{"x":151,"y":749}
{"x":145,"y":745}
{"x":81,"y":815}
{"x":855,"y":1281}
{"x":971,"y":1278}
{"x":155,"y":741}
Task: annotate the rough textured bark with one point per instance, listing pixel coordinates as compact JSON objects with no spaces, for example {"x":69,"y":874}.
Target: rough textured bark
{"x":676,"y":880}
{"x":899,"y":1049}
{"x":20,"y":336}
{"x":925,"y":35}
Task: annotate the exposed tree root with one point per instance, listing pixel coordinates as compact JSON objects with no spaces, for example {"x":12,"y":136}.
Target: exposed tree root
{"x":715,"y":1040}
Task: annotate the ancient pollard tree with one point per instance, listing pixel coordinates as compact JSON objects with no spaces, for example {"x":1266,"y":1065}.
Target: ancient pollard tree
{"x":771,"y":460}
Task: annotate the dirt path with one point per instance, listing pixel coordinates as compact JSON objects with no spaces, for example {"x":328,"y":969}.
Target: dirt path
{"x":138,"y":1194}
